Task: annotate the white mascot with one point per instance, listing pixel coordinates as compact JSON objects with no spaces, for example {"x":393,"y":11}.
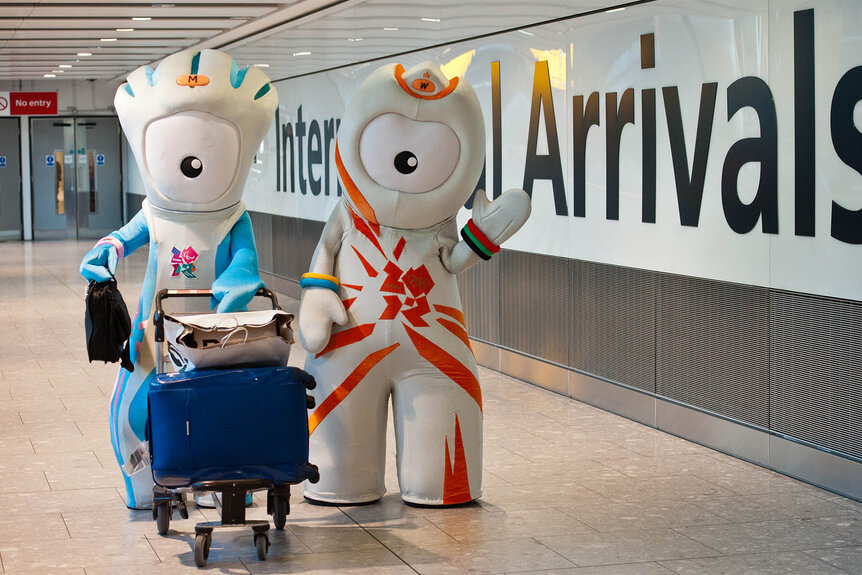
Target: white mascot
{"x":194,"y":125}
{"x":410,"y":150}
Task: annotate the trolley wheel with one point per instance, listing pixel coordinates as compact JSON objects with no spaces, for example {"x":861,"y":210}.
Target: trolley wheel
{"x":261,"y":541}
{"x":280,"y":509}
{"x":202,"y":548}
{"x":163,"y":514}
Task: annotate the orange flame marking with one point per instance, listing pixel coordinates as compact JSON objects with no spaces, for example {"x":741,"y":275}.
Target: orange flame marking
{"x":456,"y":483}
{"x":393,"y":306}
{"x":456,"y":329}
{"x":346,"y":337}
{"x":358,"y":199}
{"x":451,"y":312}
{"x":348,"y":302}
{"x":349,"y":384}
{"x":365,"y":230}
{"x":445,"y":362}
{"x":415,"y":313}
{"x":369,"y":269}
{"x":351,"y":286}
{"x":399,"y":248}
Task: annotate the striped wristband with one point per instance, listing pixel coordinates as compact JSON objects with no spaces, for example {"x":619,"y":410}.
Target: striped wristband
{"x":112,"y":241}
{"x":319,"y":280}
{"x":478,"y":241}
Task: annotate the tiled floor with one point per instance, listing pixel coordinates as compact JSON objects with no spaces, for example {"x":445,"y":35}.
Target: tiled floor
{"x":569,"y":489}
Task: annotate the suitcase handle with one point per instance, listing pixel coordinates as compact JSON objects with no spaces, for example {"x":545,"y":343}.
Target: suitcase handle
{"x":159,"y":316}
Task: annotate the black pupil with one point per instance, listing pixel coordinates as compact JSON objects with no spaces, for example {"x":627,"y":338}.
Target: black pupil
{"x":406,"y":162}
{"x":191,"y":167}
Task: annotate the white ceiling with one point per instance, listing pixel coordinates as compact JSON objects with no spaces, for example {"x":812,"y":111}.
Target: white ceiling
{"x":292,"y":38}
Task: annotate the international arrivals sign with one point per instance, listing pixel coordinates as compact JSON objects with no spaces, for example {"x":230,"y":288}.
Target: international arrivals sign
{"x":674,"y":137}
{"x":28,"y":103}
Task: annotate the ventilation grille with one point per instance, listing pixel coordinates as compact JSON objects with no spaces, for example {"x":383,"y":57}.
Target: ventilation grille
{"x":535,"y":307}
{"x":712,"y":344}
{"x":614,"y":323}
{"x":262,"y":225}
{"x":480,"y":297}
{"x":816,"y":374}
{"x":284,"y":247}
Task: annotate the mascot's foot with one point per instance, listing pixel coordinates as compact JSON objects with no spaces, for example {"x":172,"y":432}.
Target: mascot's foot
{"x":206,"y":500}
{"x":320,"y":503}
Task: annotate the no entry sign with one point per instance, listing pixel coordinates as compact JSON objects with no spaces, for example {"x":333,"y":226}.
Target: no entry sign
{"x":28,"y":103}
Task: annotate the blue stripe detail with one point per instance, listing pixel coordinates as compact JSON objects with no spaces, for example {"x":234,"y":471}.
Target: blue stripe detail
{"x":262,"y":92}
{"x":138,"y":408}
{"x":237,"y":74}
{"x":129,"y":90}
{"x":130,"y":493}
{"x":316,"y":282}
{"x":152,"y":75}
{"x":196,"y":62}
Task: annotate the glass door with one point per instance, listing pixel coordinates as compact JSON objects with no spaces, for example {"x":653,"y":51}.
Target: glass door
{"x":77,"y":177}
{"x":10,"y":180}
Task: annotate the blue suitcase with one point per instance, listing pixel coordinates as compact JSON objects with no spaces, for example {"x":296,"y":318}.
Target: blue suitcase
{"x":229,"y":425}
{"x":229,"y":432}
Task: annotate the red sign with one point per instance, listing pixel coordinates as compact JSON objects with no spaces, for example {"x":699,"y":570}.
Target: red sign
{"x":33,"y":103}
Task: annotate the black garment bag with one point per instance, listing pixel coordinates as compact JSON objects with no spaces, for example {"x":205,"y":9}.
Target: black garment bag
{"x":107,"y":323}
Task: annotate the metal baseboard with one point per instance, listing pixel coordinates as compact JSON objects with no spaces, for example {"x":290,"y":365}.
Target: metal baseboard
{"x":830,"y":471}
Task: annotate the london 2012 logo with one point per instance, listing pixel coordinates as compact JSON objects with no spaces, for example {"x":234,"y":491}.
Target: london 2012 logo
{"x":183,"y":262}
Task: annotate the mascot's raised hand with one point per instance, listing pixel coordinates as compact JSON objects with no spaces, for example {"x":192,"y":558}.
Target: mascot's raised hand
{"x":380,"y":313}
{"x":492,"y":224}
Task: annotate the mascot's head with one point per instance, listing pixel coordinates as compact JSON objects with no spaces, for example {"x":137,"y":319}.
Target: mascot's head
{"x":411,"y":146}
{"x":194,"y":125}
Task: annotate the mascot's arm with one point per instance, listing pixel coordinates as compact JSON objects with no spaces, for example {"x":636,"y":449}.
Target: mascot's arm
{"x":320,"y":307}
{"x":100,"y":263}
{"x":492,"y":224}
{"x":237,"y":284}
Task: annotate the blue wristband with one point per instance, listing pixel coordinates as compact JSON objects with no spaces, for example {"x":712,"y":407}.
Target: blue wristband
{"x":315,"y":282}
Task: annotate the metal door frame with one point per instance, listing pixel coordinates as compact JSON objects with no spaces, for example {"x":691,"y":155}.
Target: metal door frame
{"x":72,"y":231}
{"x":20,"y":177}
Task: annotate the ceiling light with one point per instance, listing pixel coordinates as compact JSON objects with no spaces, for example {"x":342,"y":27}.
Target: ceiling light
{"x":354,"y":39}
{"x":390,"y":29}
{"x":141,"y":18}
{"x":302,"y":53}
{"x":57,"y":71}
{"x":107,"y":39}
{"x":125,"y":29}
{"x":84,"y":54}
{"x":430,"y":19}
{"x":163,"y":5}
{"x":615,"y":10}
{"x":525,"y":32}
{"x":65,"y":66}
{"x":261,"y":65}
{"x":49,"y":76}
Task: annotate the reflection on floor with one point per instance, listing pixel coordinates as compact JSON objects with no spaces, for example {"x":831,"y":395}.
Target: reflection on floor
{"x":569,"y":489}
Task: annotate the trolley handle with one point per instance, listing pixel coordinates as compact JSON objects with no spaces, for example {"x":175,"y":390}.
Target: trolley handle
{"x":159,"y":316}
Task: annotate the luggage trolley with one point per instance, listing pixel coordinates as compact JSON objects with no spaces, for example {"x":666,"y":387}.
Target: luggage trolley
{"x":230,"y":432}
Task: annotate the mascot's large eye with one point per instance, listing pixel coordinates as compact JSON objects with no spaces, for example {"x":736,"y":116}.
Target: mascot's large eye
{"x":192,"y":156}
{"x":406,"y":162}
{"x":408,"y":155}
{"x":191,"y":167}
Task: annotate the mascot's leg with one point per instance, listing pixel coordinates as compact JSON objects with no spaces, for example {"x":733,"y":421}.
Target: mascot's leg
{"x":128,"y":419}
{"x":347,"y":427}
{"x":438,"y":425}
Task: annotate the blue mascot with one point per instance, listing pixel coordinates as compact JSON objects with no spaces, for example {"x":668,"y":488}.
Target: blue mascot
{"x":194,"y":125}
